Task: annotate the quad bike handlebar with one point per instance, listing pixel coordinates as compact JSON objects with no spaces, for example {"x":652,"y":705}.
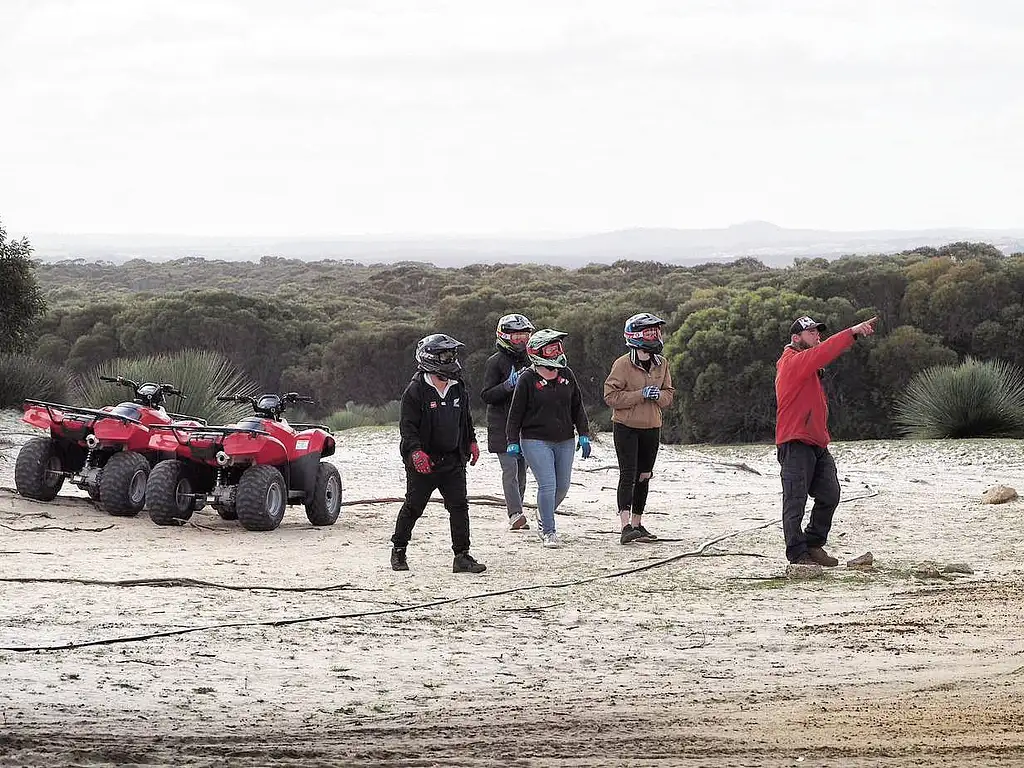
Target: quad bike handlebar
{"x":151,"y":389}
{"x":269,"y":403}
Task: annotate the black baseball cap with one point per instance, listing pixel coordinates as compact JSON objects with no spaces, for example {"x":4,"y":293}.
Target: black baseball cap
{"x":805,"y":323}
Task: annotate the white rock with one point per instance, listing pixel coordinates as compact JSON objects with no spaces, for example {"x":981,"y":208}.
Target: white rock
{"x":998,"y":494}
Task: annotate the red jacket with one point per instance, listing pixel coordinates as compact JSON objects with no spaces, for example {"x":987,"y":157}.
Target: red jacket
{"x":802,"y":407}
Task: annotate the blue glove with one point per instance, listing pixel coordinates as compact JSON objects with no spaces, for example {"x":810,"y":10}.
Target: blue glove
{"x":584,"y":446}
{"x":514,"y":449}
{"x":652,"y":392}
{"x":512,"y":379}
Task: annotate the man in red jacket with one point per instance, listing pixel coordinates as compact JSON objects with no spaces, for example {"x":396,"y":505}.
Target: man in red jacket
{"x":801,"y":437}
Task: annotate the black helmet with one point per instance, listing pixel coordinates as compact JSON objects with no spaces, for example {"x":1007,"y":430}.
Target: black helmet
{"x":439,"y":353}
{"x":635,"y":335}
{"x":509,"y":324}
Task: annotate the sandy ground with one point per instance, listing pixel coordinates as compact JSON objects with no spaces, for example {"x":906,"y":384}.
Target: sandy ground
{"x":709,"y":660}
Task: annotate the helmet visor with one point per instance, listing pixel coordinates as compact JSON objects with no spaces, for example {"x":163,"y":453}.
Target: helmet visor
{"x":552,"y":350}
{"x":651,"y":333}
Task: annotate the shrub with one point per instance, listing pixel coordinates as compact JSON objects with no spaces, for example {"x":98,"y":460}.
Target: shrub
{"x":365,"y":416}
{"x":974,"y":399}
{"x":200,"y":374}
{"x":22,"y":376}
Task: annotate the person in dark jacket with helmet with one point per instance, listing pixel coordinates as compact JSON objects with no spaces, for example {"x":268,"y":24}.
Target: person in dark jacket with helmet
{"x":802,"y":438}
{"x":438,"y":439}
{"x":638,"y":389}
{"x":547,"y":406}
{"x":501,"y":373}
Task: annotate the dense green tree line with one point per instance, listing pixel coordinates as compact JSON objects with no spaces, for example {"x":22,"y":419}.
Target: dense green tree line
{"x":345,"y":332}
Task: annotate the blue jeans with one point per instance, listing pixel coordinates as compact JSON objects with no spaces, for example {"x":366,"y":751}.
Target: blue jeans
{"x":551,"y":464}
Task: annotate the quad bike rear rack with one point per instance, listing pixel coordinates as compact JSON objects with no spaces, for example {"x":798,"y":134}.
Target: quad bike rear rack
{"x":303,"y":427}
{"x":74,"y":410}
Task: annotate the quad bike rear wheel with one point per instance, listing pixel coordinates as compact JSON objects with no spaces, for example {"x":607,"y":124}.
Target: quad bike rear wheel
{"x":123,"y":484}
{"x":325,"y":505}
{"x":261,"y":498}
{"x":169,"y":495}
{"x":38,"y":471}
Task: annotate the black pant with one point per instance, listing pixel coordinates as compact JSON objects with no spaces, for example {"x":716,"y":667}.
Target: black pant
{"x":636,"y":450}
{"x":450,"y":480}
{"x":807,"y":470}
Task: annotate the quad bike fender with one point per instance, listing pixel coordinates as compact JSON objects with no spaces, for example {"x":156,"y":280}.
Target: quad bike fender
{"x":166,"y":442}
{"x":302,"y":473}
{"x":313,"y":441}
{"x":37,"y":416}
{"x":245,"y":448}
{"x":133,"y":437}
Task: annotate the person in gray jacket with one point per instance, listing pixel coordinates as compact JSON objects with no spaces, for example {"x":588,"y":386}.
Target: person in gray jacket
{"x":501,"y":373}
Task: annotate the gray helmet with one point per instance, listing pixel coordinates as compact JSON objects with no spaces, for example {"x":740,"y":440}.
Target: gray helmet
{"x":439,"y":353}
{"x":634,"y":334}
{"x":509,"y":324}
{"x":545,"y":348}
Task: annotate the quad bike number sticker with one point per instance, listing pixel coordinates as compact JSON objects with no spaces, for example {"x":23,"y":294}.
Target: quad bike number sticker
{"x":301,"y":445}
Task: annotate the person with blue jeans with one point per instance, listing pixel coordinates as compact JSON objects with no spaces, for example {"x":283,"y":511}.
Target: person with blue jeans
{"x":545,"y":416}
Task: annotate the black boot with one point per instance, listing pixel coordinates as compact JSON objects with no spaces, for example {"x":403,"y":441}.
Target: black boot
{"x":465,"y":563}
{"x":398,"y":562}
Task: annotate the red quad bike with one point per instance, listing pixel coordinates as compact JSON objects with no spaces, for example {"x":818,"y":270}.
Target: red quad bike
{"x":248,"y":471}
{"x":105,"y":451}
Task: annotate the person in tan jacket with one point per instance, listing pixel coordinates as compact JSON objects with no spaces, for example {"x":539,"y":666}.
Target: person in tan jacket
{"x":637,"y":390}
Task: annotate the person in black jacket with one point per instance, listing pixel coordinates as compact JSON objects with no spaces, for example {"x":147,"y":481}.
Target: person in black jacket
{"x":437,"y":440}
{"x":547,"y":407}
{"x":501,"y":373}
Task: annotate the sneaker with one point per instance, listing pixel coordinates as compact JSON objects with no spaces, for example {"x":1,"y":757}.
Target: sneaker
{"x":518,"y":523}
{"x":645,"y":535}
{"x":466,"y":563}
{"x":629,"y":534}
{"x":821,"y":557}
{"x":551,"y":540}
{"x":398,"y":562}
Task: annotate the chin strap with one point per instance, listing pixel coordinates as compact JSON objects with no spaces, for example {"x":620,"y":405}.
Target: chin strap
{"x":635,"y":358}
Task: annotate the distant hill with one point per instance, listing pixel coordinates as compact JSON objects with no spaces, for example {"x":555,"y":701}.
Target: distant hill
{"x":771,"y":244}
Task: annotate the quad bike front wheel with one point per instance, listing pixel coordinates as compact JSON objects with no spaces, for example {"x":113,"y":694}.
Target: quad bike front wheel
{"x":325,"y":505}
{"x":169,"y":494}
{"x":123,"y":484}
{"x":38,"y":471}
{"x":261,"y":498}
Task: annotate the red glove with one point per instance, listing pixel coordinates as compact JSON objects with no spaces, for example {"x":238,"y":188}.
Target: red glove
{"x":474,"y":454}
{"x":421,"y":462}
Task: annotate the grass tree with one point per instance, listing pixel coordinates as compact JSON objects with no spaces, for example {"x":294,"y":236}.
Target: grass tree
{"x":974,"y":399}
{"x":22,"y":376}
{"x":201,"y":375}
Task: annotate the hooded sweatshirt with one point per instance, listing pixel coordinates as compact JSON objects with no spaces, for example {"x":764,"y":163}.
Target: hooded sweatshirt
{"x":802,"y":413}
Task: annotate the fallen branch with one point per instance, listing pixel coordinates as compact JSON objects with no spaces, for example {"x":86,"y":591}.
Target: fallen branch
{"x":57,"y":528}
{"x":289,"y":621}
{"x":177,"y":582}
{"x":484,"y":500}
{"x":872,"y":492}
{"x":21,"y":552}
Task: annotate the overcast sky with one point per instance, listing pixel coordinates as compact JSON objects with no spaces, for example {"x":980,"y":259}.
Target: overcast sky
{"x":310,"y":118}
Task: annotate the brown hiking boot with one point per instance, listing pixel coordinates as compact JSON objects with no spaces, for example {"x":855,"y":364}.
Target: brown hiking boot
{"x":821,"y":557}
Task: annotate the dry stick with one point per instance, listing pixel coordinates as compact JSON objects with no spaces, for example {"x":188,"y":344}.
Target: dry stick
{"x":57,"y":528}
{"x":383,"y":611}
{"x":712,"y":462}
{"x":484,"y":500}
{"x":179,"y":582}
